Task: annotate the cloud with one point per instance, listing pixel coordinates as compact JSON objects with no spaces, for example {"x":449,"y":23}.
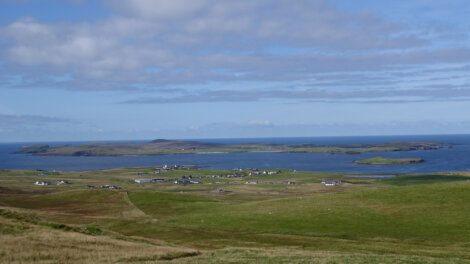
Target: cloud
{"x":444,"y":92}
{"x":306,"y":50}
{"x":248,"y":129}
{"x":199,"y":41}
{"x":16,"y":121}
{"x":158,"y":9}
{"x":22,"y":128}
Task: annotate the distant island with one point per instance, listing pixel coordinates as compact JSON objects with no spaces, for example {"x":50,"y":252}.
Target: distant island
{"x":389,"y":161}
{"x":164,"y":146}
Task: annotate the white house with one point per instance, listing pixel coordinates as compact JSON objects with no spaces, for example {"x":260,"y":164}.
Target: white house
{"x":62,"y":182}
{"x":141,"y":181}
{"x":331,"y":182}
{"x":42,"y":183}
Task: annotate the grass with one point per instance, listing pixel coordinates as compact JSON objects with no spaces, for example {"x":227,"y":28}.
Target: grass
{"x":38,"y":244}
{"x":350,"y":215}
{"x":163,"y":205}
{"x":167,"y":256}
{"x":425,"y":179}
{"x":34,"y":220}
{"x":404,"y":219}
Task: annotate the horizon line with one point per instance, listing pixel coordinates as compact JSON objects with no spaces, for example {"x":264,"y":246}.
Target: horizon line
{"x":231,"y":138}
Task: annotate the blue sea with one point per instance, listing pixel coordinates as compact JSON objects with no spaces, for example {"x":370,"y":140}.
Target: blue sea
{"x":442,"y":160}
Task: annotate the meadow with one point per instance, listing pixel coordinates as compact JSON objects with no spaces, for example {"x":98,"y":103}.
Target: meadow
{"x":232,"y":217}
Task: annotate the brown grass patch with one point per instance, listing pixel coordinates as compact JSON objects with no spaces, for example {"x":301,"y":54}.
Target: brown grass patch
{"x":42,"y":245}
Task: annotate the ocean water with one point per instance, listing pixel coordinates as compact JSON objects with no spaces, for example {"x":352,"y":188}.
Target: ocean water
{"x":443,"y":160}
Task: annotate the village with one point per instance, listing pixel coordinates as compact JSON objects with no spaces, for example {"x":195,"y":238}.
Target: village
{"x":253,"y":176}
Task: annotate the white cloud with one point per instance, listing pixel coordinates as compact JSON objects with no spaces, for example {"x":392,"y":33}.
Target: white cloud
{"x":206,"y":41}
{"x":158,"y":9}
{"x":8,"y":121}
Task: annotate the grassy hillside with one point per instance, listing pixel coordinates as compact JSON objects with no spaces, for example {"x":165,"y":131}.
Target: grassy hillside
{"x":404,"y":219}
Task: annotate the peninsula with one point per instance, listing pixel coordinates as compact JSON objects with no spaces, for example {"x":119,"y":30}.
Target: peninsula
{"x":163,"y":146}
{"x":389,"y":161}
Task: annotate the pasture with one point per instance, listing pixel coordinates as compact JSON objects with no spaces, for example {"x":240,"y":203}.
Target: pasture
{"x":231,"y":217}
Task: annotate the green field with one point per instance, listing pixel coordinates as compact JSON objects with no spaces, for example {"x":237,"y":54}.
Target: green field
{"x":287,"y":217}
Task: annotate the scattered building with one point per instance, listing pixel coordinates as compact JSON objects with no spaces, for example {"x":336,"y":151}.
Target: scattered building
{"x":331,"y":182}
{"x":257,"y":172}
{"x":154,"y":180}
{"x":106,"y":186}
{"x":240,"y":173}
{"x":186,"y":180}
{"x":110,"y":187}
{"x":251,"y":182}
{"x":62,"y":182}
{"x":290,"y":182}
{"x":166,"y":168}
{"x":43,"y":183}
{"x":48,"y":183}
{"x":233,"y":175}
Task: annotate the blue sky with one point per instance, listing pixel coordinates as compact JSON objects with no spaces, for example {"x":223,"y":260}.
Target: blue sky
{"x":144,"y":69}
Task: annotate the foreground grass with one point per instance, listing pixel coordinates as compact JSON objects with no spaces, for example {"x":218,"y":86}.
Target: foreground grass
{"x":24,"y":242}
{"x":294,"y":255}
{"x":405,"y":219}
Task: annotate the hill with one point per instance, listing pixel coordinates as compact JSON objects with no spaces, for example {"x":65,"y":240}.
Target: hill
{"x":229,"y":216}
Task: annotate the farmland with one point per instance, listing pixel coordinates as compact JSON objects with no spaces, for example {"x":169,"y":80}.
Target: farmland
{"x":242,"y":216}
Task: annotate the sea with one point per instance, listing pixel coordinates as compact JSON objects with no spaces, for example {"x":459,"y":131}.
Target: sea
{"x":441,"y":160}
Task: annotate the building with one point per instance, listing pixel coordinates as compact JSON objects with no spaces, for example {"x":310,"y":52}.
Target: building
{"x":181,"y":181}
{"x":47,"y":183}
{"x":154,"y":180}
{"x":257,"y":172}
{"x":186,"y":180}
{"x":329,"y":182}
{"x":62,"y":182}
{"x":110,"y":187}
{"x":42,"y":183}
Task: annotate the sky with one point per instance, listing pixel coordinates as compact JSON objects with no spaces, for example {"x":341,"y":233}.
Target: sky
{"x":78,"y":70}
